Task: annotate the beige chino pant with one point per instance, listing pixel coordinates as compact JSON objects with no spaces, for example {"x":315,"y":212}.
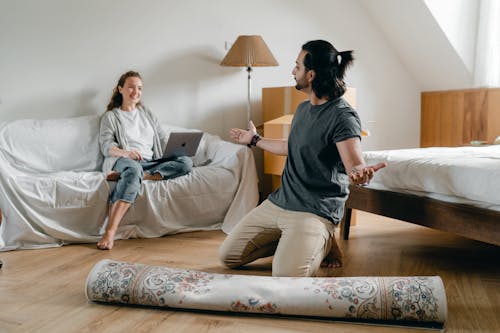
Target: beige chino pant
{"x":298,"y":240}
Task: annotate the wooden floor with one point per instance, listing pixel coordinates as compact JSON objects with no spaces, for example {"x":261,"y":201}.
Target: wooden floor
{"x":43,"y":290}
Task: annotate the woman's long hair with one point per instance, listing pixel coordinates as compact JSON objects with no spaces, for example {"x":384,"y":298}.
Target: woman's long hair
{"x":329,"y":66}
{"x":116,"y":99}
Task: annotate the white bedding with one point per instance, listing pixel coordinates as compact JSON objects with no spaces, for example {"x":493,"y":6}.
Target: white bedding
{"x":460,"y":174}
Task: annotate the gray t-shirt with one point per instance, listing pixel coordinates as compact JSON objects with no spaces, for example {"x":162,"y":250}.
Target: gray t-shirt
{"x":314,"y":179}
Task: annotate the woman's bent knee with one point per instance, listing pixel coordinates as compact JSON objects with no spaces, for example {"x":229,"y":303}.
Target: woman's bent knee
{"x":133,"y":170}
{"x":185,"y":164}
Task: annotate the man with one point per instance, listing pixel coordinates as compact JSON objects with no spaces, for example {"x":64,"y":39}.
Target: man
{"x":296,"y":223}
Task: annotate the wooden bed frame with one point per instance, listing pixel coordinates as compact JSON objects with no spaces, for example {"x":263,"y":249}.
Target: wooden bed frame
{"x":449,"y":118}
{"x":464,"y":220}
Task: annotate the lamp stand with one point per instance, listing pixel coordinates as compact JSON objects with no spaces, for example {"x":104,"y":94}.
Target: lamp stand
{"x":249,"y":107}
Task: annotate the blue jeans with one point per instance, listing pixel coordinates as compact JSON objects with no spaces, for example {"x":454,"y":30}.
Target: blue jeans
{"x":132,"y":172}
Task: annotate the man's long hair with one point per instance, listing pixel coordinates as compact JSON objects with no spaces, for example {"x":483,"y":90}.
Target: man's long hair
{"x":329,"y":66}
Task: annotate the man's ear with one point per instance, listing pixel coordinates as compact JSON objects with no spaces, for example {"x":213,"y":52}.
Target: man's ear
{"x":311,"y":75}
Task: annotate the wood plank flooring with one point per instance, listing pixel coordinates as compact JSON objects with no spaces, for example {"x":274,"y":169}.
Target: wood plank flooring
{"x":43,"y":290}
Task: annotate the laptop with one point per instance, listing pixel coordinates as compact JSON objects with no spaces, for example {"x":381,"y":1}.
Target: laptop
{"x":182,"y":144}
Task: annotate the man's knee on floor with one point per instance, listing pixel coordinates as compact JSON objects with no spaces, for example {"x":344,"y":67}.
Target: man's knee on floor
{"x":296,"y":265}
{"x":229,"y":262}
{"x":292,"y":271}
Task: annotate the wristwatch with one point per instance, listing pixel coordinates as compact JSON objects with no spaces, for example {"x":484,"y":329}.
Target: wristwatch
{"x":254,"y":141}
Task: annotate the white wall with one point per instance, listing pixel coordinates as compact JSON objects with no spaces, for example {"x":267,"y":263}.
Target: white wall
{"x":420,"y":43}
{"x":61,"y":58}
{"x":458,"y":19}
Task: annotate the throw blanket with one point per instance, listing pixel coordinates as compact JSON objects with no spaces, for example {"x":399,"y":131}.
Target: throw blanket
{"x":415,"y":300}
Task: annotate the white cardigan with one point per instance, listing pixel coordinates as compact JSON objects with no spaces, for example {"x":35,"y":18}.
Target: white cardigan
{"x":112,"y":134}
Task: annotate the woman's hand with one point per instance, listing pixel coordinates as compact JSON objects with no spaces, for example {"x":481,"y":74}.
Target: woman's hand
{"x":363,"y":176}
{"x":243,"y":136}
{"x":133,"y":154}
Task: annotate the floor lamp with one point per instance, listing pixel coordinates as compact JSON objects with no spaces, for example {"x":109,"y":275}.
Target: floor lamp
{"x":249,"y":51}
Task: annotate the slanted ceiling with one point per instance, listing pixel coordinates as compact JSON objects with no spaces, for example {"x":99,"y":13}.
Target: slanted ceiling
{"x":421,"y":45}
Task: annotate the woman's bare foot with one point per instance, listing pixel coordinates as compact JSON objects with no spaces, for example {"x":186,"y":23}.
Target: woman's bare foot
{"x":113,"y":175}
{"x":156,"y":176}
{"x":334,"y":258}
{"x":106,"y":242}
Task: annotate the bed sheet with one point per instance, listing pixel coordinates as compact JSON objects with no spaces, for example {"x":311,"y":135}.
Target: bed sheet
{"x":468,"y":175}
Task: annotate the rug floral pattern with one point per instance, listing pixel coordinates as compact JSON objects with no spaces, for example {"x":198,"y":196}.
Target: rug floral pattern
{"x":399,"y":299}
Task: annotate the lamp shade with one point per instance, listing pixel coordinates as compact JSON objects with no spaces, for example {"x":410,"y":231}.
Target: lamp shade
{"x":249,"y":51}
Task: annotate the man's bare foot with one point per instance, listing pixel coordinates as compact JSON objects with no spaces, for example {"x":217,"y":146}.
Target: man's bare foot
{"x":106,"y":242}
{"x":113,"y":175}
{"x":156,"y":176}
{"x":334,"y":258}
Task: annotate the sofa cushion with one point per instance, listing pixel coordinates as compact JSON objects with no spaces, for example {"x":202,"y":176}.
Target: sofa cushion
{"x":44,"y":146}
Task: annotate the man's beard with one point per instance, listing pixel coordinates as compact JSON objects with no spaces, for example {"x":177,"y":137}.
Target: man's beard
{"x":299,"y":86}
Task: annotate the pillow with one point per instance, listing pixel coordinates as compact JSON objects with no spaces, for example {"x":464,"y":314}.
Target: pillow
{"x":44,"y":146}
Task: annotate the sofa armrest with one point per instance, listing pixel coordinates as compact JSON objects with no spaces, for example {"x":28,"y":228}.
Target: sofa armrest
{"x":225,"y":154}
{"x":239,"y":160}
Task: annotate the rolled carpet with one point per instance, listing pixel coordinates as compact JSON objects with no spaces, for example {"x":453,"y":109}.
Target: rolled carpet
{"x":410,"y":300}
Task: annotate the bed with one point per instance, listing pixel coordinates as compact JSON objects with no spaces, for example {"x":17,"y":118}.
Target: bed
{"x":448,"y":184}
{"x":453,"y":189}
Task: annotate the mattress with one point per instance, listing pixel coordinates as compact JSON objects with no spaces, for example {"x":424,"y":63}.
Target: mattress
{"x":468,"y":175}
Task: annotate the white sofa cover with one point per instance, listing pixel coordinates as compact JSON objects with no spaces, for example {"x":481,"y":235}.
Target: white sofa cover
{"x":52,"y":190}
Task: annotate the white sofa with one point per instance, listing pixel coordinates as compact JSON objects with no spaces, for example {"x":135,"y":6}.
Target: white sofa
{"x":52,"y":190}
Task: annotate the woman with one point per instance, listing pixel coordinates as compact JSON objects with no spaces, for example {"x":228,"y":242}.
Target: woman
{"x":132,"y":142}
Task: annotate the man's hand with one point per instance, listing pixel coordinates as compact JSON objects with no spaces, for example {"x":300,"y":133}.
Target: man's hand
{"x":363,"y":176}
{"x":243,"y":136}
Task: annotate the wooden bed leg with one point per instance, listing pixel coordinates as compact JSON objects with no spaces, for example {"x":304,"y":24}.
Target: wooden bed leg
{"x":345,"y":224}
